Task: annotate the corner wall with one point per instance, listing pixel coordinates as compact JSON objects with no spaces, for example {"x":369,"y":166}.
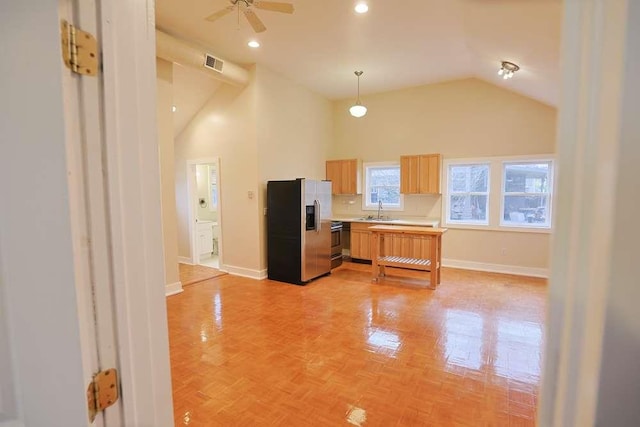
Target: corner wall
{"x":225,"y":127}
{"x":294,"y":132}
{"x":167,"y":173}
{"x":459,"y":119}
{"x":272,"y":129}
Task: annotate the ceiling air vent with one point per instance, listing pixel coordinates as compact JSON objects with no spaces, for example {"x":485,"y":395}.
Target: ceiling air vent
{"x":213,"y":63}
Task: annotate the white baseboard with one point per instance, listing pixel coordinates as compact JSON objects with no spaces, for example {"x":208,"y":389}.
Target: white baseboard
{"x":244,"y":272}
{"x":184,"y":260}
{"x":496,"y":268}
{"x":173,"y":288}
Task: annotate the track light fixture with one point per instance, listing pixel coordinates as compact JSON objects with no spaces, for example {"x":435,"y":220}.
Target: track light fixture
{"x":507,"y":69}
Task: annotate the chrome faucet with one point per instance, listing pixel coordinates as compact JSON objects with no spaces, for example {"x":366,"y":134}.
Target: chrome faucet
{"x":379,"y":208}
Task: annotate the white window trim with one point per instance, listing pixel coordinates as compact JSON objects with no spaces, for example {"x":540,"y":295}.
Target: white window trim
{"x":447,"y":202}
{"x":541,"y":227}
{"x":367,"y":207}
{"x":495,"y":203}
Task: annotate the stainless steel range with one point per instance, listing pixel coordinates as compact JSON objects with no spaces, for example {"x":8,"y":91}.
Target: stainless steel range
{"x":336,"y":244}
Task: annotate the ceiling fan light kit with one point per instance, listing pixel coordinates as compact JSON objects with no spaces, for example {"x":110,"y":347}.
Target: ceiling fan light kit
{"x":255,"y":22}
{"x":358,"y":110}
{"x":507,"y":70}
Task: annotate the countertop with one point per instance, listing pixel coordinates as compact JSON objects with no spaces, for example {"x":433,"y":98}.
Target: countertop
{"x":425,"y":222}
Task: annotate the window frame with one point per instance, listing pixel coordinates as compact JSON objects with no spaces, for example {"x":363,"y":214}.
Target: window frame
{"x":449,"y":194}
{"x":503,"y":194}
{"x":365,"y":195}
{"x":495,"y":189}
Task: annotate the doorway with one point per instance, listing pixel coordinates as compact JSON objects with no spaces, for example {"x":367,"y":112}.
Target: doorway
{"x":205,"y":219}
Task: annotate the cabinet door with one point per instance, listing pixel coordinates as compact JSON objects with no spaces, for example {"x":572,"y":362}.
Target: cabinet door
{"x":365,"y":245}
{"x":355,"y":244}
{"x":409,"y":174}
{"x":360,"y":244}
{"x":334,"y":174}
{"x":350,"y":176}
{"x":429,"y":179}
{"x":206,"y":242}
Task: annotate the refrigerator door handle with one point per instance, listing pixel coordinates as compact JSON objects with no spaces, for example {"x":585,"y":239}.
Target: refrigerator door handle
{"x":317,"y":215}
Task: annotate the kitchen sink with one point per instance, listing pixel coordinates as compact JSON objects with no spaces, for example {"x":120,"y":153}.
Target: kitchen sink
{"x":374,"y":219}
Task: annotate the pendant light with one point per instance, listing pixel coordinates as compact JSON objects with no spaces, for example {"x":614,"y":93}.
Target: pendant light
{"x":358,"y":110}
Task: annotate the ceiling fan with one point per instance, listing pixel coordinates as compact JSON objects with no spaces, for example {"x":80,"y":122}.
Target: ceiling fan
{"x":253,"y":19}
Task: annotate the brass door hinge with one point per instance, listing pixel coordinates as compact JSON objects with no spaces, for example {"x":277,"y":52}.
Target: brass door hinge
{"x":102,"y":392}
{"x":79,"y":50}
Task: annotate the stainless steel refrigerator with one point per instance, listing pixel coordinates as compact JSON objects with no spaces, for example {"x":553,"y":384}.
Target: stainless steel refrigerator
{"x":298,"y":230}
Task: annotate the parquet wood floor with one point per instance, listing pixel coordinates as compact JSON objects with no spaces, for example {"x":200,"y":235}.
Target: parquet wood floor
{"x":345,"y":351}
{"x":190,"y":274}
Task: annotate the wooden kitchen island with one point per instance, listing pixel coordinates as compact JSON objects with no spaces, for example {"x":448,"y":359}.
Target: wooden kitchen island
{"x":389,"y":238}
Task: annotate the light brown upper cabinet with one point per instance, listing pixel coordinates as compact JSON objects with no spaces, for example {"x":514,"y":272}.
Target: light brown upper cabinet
{"x":420,"y":174}
{"x":344,"y":176}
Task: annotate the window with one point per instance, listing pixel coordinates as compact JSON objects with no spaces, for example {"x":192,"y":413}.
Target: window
{"x":526,"y":194}
{"x":213,"y":186}
{"x":519,"y":200}
{"x":382,"y":183}
{"x":468,"y":194}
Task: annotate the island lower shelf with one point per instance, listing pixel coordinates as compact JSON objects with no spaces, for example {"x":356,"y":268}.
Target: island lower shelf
{"x":403,"y":262}
{"x":430,"y":261}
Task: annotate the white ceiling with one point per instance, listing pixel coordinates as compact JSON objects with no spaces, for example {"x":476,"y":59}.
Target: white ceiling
{"x":398,"y":43}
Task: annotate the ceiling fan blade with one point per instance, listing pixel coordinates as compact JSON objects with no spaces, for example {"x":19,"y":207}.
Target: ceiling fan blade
{"x":274,"y":6}
{"x":255,"y":22}
{"x":219,"y":14}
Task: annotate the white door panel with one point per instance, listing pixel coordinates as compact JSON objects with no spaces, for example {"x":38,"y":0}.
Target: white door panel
{"x":96,"y":243}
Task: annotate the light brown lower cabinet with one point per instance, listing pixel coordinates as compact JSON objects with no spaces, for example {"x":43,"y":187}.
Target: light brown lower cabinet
{"x":394,"y":244}
{"x":360,"y":244}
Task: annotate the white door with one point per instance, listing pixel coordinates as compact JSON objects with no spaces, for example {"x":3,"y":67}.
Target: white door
{"x":67,"y":235}
{"x":79,"y":182}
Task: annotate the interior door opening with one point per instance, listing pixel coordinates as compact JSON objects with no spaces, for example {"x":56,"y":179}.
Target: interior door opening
{"x":206,"y":221}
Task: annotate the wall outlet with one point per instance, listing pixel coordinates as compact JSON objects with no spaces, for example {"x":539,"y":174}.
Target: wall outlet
{"x":250,"y":194}
{"x":503,"y":251}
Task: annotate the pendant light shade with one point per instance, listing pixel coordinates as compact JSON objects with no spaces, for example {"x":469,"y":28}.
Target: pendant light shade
{"x":358,"y":110}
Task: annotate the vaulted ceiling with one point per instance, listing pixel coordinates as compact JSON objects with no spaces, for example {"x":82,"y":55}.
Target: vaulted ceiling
{"x":398,"y":43}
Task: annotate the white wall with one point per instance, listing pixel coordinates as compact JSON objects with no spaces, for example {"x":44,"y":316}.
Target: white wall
{"x":225,"y":128}
{"x":164,"y":105}
{"x":294,"y":131}
{"x":459,"y":119}
{"x":272,"y":129}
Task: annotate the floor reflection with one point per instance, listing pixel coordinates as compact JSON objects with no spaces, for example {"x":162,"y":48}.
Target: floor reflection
{"x":464,"y":338}
{"x":385,"y":340}
{"x":518,"y":347}
{"x":217,"y":311}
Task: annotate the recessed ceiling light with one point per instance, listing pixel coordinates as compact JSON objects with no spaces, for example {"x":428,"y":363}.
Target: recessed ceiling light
{"x":362,"y":7}
{"x":254,"y":44}
{"x":174,"y":108}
